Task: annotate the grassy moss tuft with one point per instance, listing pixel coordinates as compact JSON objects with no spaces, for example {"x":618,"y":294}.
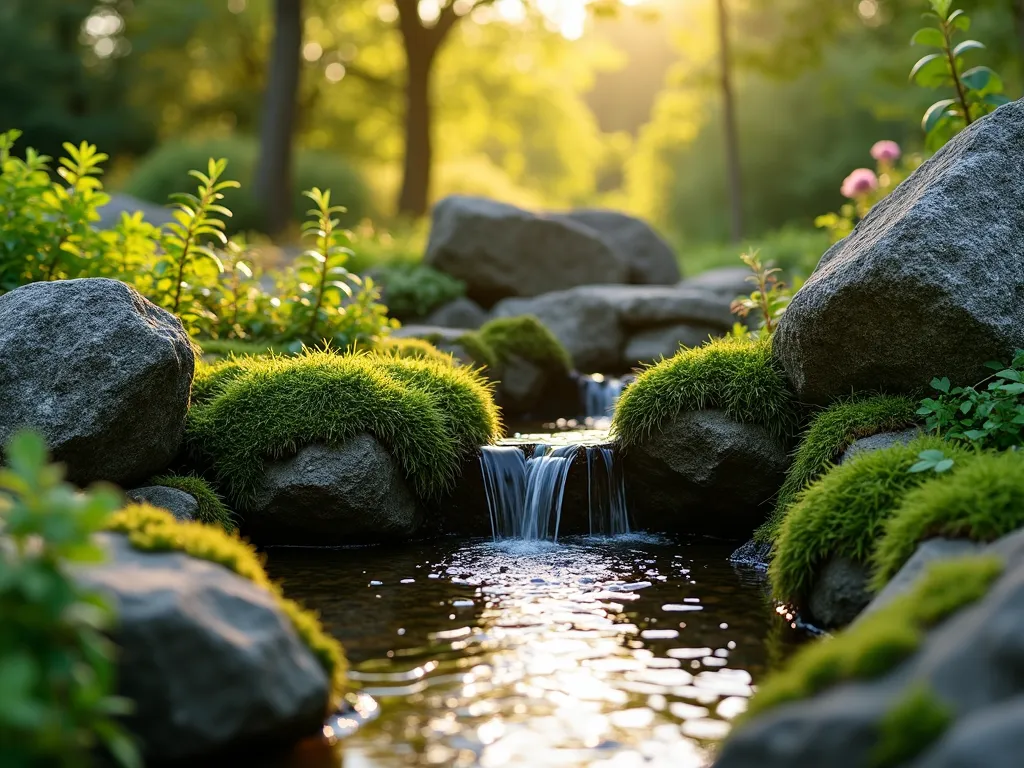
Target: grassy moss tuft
{"x":843,"y":514}
{"x":916,"y":722}
{"x":155,"y":530}
{"x":736,"y":375}
{"x":416,"y":349}
{"x":981,"y":500}
{"x":876,"y":644}
{"x":221,"y":348}
{"x":210,"y":378}
{"x":429,"y":414}
{"x":830,"y":433}
{"x":479,"y":350}
{"x":212,"y":510}
{"x":528,"y":338}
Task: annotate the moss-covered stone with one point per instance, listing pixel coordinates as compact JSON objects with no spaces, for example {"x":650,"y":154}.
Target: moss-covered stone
{"x":155,"y":530}
{"x":982,"y":500}
{"x":428,"y":414}
{"x":528,"y":338}
{"x":843,"y":514}
{"x":830,"y":432}
{"x":212,"y":509}
{"x":879,"y":642}
{"x":737,"y":376}
{"x":913,"y":724}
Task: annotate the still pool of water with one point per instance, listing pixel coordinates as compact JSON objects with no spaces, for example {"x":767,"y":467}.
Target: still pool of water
{"x":633,"y":651}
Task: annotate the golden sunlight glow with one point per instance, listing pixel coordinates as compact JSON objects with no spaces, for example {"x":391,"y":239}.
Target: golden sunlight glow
{"x":569,"y":17}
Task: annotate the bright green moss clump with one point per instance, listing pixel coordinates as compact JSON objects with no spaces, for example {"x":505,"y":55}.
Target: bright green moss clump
{"x":155,"y":530}
{"x":736,"y":375}
{"x":880,"y":641}
{"x":412,"y":348}
{"x":830,"y":433}
{"x":211,"y":377}
{"x":528,"y":338}
{"x":212,"y":510}
{"x":428,"y":414}
{"x":916,"y":722}
{"x":981,"y":500}
{"x":843,"y":514}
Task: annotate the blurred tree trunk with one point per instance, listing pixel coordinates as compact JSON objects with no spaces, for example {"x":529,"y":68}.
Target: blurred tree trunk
{"x":421,"y":44}
{"x":732,"y":142}
{"x":273,"y":182}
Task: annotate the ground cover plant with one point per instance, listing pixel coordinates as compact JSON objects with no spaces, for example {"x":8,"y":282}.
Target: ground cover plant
{"x":57,"y":684}
{"x":428,"y":413}
{"x":413,"y":291}
{"x":843,"y":514}
{"x":832,"y":431}
{"x":737,"y":375}
{"x":982,"y":500}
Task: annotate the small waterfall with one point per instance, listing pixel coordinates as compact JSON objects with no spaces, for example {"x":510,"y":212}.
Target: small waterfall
{"x":606,"y":500}
{"x":599,"y":394}
{"x":524,"y":496}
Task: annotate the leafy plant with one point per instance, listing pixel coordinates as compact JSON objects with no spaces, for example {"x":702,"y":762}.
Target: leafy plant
{"x":416,"y":290}
{"x":57,"y":698}
{"x":989,"y":414}
{"x":977,"y":91}
{"x":933,"y":460}
{"x":770,"y":297}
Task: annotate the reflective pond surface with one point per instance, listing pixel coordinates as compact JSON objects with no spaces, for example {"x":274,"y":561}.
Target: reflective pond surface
{"x":634,"y":651}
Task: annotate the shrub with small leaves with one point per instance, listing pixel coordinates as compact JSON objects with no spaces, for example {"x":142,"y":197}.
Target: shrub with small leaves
{"x":976,"y":91}
{"x":989,"y":414}
{"x":57,"y":700}
{"x":770,"y":297}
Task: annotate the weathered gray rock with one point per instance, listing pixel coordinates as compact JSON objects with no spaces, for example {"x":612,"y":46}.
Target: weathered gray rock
{"x":928,"y":284}
{"x":655,"y":343}
{"x":839,"y":594}
{"x":349,"y":494}
{"x":651,"y":260}
{"x":499,"y":250}
{"x":755,"y":554}
{"x":100,"y":372}
{"x":522,"y":385}
{"x":726,"y":282}
{"x":593,"y":321}
{"x":182,"y":505}
{"x":879,"y":442}
{"x":971,"y":663}
{"x":704,"y":473}
{"x":208,"y":658}
{"x":431,"y":333}
{"x":458,"y":313}
{"x":582,"y":319}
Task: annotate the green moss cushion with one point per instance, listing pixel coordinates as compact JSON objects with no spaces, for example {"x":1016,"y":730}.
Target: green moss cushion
{"x":843,"y":514}
{"x":528,"y":338}
{"x":155,"y":530}
{"x":982,"y":500}
{"x":428,"y":414}
{"x":212,"y":510}
{"x":735,"y":375}
{"x":831,"y":432}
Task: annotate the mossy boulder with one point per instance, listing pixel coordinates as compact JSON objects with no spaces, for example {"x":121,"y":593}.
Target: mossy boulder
{"x":100,"y":372}
{"x":704,"y":439}
{"x":210,"y":653}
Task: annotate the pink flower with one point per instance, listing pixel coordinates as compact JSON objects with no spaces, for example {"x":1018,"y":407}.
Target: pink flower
{"x":886,"y":151}
{"x":862,"y":181}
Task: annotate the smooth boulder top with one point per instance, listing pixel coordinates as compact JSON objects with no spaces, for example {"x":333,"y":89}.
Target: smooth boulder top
{"x":101,"y":372}
{"x":499,"y":250}
{"x":208,"y":658}
{"x":651,"y":260}
{"x":930,"y":283}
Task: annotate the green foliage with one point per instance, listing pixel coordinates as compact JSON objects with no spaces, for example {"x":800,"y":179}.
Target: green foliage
{"x":212,"y":510}
{"x":830,"y":433}
{"x":914,"y":723}
{"x":880,"y":641}
{"x":795,"y":250}
{"x":770,"y":297}
{"x":982,"y":500}
{"x":528,"y":338}
{"x":57,"y":684}
{"x":739,"y":376}
{"x":976,"y":91}
{"x":428,"y":413}
{"x":412,"y":348}
{"x":989,"y":414}
{"x":415,"y":290}
{"x":933,"y":460}
{"x":222,"y":348}
{"x":842,"y":514}
{"x":155,"y":530}
{"x":162,"y":173}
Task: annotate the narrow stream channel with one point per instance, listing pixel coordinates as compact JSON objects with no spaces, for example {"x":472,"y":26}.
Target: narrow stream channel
{"x":632,"y":651}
